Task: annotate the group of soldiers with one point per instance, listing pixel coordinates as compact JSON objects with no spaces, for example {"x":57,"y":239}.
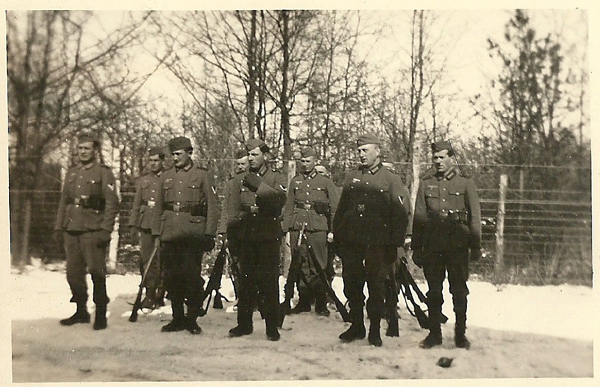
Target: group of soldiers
{"x":366,"y":223}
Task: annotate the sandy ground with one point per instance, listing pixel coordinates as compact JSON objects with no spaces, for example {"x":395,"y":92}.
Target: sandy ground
{"x":516,"y":332}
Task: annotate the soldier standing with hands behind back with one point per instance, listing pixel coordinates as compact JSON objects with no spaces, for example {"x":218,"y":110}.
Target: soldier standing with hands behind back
{"x":257,"y":199}
{"x":86,"y":216}
{"x":142,"y":218}
{"x":369,"y":225}
{"x":185,"y":223}
{"x":446,"y":235}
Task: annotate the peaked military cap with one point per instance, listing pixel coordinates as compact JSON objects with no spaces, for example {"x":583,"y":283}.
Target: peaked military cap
{"x":307,"y":152}
{"x":87,"y":137}
{"x":241,"y":153}
{"x":442,"y":145}
{"x":156,"y":150}
{"x":257,"y":143}
{"x":179,"y":143}
{"x":368,"y":138}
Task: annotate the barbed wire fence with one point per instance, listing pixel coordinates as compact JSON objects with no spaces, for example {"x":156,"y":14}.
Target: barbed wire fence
{"x":540,"y":235}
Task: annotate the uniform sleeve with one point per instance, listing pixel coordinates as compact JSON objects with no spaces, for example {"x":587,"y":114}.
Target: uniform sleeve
{"x":210,"y":193}
{"x":158,"y":208}
{"x":272,"y":199}
{"x":225,"y":207}
{"x":419,"y":219}
{"x":334,"y":199}
{"x":137,"y":204}
{"x":62,"y":206}
{"x":400,"y":210}
{"x":342,"y":206}
{"x":109,"y":191}
{"x":474,"y":215}
{"x":288,"y":209}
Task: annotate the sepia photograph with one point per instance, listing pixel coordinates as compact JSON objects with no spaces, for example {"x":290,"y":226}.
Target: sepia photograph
{"x":327,"y":193}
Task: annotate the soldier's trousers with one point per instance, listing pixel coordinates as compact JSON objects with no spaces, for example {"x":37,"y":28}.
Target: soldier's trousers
{"x":147,"y":246}
{"x":182,"y":261}
{"x":456,"y":264}
{"x":318,"y":241}
{"x":370,"y":264}
{"x":84,"y":256}
{"x":259,"y":281}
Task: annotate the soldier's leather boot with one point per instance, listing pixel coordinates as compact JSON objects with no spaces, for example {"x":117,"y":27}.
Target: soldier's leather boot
{"x":81,"y":316}
{"x":178,"y":323}
{"x":191,"y":323}
{"x":374,"y":333}
{"x":356,"y":331}
{"x":271,"y":327}
{"x":240,"y":330}
{"x":149,"y":300}
{"x":321,"y":305}
{"x":303,"y":304}
{"x":433,"y":338}
{"x":100,"y":319}
{"x":160,"y":297}
{"x":218,"y":302}
{"x":392,"y":327}
{"x":460,"y":340}
{"x":244,"y":327}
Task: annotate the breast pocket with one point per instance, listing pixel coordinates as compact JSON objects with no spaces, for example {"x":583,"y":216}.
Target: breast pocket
{"x":195,"y":191}
{"x":432,"y":198}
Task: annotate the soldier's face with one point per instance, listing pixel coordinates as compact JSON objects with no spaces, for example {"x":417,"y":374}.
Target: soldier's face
{"x":86,"y":152}
{"x":368,"y":155}
{"x":256,"y":158}
{"x":307,"y":164}
{"x":181,"y":157}
{"x":241,"y":165}
{"x":155,"y":163}
{"x":442,"y":161}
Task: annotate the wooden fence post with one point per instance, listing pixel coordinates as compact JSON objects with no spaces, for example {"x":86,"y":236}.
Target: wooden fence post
{"x":499,"y":262}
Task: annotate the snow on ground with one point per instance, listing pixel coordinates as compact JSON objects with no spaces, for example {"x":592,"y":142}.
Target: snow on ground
{"x":516,"y":332}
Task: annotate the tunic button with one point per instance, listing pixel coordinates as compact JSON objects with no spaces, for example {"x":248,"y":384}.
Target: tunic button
{"x":443,"y":200}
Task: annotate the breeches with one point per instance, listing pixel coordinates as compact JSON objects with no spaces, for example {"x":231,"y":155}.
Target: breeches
{"x":183,"y":271}
{"x":456,"y":264}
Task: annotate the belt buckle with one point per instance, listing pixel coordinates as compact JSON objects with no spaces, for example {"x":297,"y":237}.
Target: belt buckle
{"x":254,"y":209}
{"x":151,"y":203}
{"x":307,"y":206}
{"x":361,"y":208}
{"x":176,"y":207}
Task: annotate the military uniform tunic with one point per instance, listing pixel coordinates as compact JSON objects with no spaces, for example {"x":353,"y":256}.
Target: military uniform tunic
{"x":186,"y":212}
{"x":88,"y":204}
{"x":370,"y":223}
{"x":446,"y":224}
{"x":255,"y":220}
{"x":142,"y":217}
{"x":312,"y":201}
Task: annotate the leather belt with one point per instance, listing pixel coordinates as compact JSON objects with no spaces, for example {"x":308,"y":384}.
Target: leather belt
{"x":304,"y":206}
{"x":94,"y":203}
{"x":177,"y":207}
{"x":253,"y":209}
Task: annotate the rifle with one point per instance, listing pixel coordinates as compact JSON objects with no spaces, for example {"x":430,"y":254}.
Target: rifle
{"x":138,"y":300}
{"x":407,"y":285}
{"x":214,"y":281}
{"x":294,"y":275}
{"x":234,"y":272}
{"x":323,"y":277}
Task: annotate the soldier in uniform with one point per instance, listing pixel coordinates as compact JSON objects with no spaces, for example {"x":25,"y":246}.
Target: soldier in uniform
{"x":234,"y":245}
{"x":446,"y":235}
{"x":370,"y":223}
{"x":86,"y":215}
{"x":257,"y":199}
{"x":186,"y":224}
{"x":141,"y":220}
{"x":311,"y":202}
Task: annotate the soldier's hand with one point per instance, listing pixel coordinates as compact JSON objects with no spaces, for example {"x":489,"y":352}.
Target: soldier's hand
{"x":134,"y":235}
{"x":220,"y":240}
{"x":407,"y":242}
{"x":157,"y":242}
{"x":474,"y":254}
{"x":418,"y":257}
{"x":58,"y":237}
{"x":103,"y":238}
{"x":252,"y":181}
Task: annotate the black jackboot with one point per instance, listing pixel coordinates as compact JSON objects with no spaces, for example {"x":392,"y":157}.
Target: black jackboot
{"x":81,"y":316}
{"x":460,"y":311}
{"x":100,"y":320}
{"x":374,"y":333}
{"x":321,"y":304}
{"x":244,"y":327}
{"x":178,"y":323}
{"x":357,"y":330}
{"x":435,"y":330}
{"x":191,"y":324}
